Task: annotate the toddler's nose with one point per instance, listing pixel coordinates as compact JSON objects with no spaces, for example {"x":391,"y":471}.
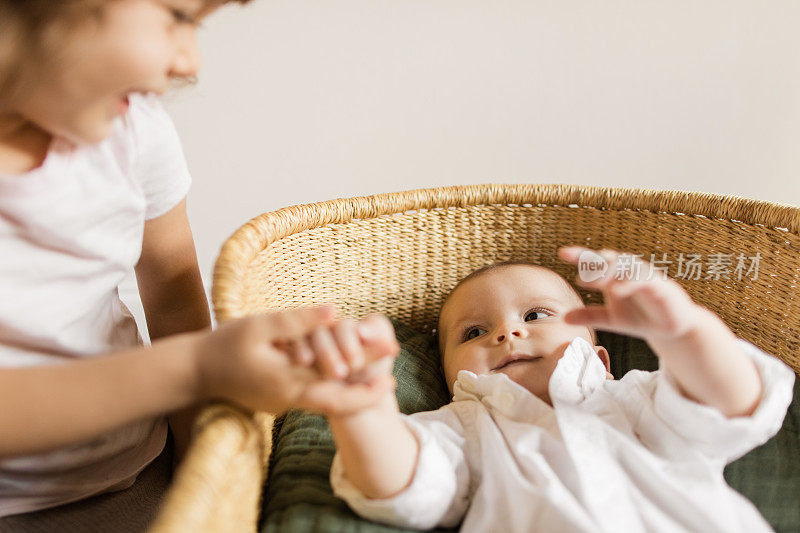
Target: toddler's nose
{"x":186,"y":60}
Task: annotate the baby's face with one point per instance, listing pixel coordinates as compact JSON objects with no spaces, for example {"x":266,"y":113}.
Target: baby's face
{"x":509,"y":320}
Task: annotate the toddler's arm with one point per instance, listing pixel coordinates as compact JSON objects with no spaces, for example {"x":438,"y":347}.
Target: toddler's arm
{"x":168,"y":277}
{"x":172,"y":293}
{"x":693,"y":344}
{"x":46,"y":407}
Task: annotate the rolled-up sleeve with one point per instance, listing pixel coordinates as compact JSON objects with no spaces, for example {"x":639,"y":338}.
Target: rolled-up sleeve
{"x":438,"y":492}
{"x":710,"y":432}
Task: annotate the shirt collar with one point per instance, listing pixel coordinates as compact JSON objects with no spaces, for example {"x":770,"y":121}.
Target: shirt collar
{"x":578,"y":373}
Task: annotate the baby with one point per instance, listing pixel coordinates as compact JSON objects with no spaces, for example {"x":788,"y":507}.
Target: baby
{"x":540,"y":437}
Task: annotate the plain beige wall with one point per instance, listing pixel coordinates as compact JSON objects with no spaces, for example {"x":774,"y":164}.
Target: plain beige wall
{"x":302,"y":101}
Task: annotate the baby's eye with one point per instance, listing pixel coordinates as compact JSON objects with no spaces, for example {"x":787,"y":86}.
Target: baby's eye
{"x":535,"y":315}
{"x":473,"y":332}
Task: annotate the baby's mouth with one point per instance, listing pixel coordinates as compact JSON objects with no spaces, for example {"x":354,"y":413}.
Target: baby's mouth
{"x":516,"y":358}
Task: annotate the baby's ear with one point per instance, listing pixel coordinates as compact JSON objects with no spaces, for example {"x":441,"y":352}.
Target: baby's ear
{"x":602,"y":353}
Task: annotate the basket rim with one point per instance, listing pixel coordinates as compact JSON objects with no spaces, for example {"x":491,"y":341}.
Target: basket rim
{"x":252,"y":237}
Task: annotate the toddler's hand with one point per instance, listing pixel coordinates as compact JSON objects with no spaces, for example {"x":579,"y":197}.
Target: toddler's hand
{"x":245,"y":361}
{"x":353,"y":351}
{"x":649,"y":305}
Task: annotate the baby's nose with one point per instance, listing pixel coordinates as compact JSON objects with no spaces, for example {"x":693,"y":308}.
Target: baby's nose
{"x":510,"y":332}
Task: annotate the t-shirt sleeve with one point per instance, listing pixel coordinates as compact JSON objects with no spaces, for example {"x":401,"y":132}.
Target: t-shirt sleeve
{"x":707,"y":430}
{"x":438,"y":492}
{"x":159,"y":165}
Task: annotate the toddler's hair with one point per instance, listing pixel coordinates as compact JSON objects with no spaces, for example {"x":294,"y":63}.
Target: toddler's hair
{"x":31,"y":30}
{"x":493,"y":266}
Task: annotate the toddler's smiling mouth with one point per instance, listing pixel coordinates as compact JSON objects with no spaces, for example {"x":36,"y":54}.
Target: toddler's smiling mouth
{"x":514,"y":359}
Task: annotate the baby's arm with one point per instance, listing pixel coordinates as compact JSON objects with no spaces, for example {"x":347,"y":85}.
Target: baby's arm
{"x":397,"y":470}
{"x":693,"y":344}
{"x":377,"y":450}
{"x":710,"y":366}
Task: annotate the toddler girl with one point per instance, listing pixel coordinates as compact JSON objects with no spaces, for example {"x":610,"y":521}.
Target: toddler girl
{"x":540,"y":437}
{"x":92,"y":185}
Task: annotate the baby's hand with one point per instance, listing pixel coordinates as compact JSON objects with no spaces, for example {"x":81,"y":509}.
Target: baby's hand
{"x":648,"y":305}
{"x":357,"y":352}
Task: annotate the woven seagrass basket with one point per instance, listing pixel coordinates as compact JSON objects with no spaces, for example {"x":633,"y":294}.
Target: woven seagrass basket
{"x":400,"y":253}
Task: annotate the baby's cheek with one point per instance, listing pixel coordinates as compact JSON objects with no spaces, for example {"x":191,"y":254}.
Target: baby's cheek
{"x":463,"y":360}
{"x":476,"y":363}
{"x":579,"y":331}
{"x":449,"y":371}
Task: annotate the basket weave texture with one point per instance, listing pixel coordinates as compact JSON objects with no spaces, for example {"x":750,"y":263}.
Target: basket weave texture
{"x":401,"y":253}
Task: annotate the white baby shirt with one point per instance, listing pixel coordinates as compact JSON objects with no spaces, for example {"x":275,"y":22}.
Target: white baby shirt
{"x":629,"y":455}
{"x":70,"y":232}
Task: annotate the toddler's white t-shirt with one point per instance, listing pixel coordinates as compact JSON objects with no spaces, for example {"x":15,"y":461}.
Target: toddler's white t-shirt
{"x":70,"y":231}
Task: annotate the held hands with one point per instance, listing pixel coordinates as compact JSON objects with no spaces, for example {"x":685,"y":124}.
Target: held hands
{"x":265,"y":362}
{"x":638,"y":300}
{"x":357,"y":352}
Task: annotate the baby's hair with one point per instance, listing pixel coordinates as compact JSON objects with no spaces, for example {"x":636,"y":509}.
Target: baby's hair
{"x":30,"y":30}
{"x":493,"y":266}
